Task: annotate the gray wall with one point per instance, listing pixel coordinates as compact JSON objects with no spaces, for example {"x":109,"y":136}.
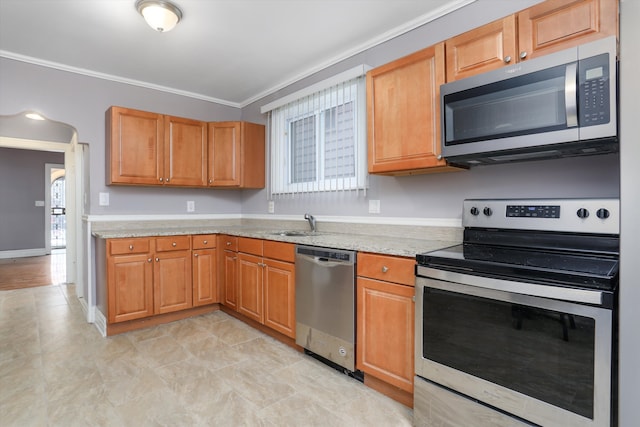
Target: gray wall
{"x":630,"y":227}
{"x":441,"y":195}
{"x":22,"y":182}
{"x":81,"y":101}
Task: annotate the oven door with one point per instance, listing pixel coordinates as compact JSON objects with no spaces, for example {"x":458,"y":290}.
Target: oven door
{"x":543,"y":360}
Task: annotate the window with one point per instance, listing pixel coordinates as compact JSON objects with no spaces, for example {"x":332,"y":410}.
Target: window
{"x":318,"y":141}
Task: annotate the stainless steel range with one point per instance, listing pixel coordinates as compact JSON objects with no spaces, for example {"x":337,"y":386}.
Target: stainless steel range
{"x":517,"y":325}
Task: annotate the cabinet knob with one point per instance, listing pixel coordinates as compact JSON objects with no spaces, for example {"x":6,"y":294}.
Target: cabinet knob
{"x":157,"y":259}
{"x":210,"y":181}
{"x":161,"y":179}
{"x":205,"y":242}
{"x":523,"y":54}
{"x":195,"y":255}
{"x":228,"y":243}
{"x":167,"y":180}
{"x":234,"y":258}
{"x":439,"y":156}
{"x":174,"y":244}
{"x":385,"y":268}
{"x":507,"y":59}
{"x":149,"y":260}
{"x":130,"y":247}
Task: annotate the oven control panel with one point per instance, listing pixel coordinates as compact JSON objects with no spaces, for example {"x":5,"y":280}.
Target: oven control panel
{"x":599,"y":216}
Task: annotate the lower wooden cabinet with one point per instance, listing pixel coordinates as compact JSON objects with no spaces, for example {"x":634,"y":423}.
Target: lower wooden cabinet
{"x":266,"y":283}
{"x":129,"y":280}
{"x":385,"y":319}
{"x":205,"y":269}
{"x":228,"y":270}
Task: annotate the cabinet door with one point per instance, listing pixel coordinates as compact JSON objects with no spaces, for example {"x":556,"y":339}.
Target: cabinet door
{"x":135,"y":151}
{"x":554,"y":25}
{"x":385,"y":326}
{"x":482,"y":49}
{"x":172,"y":289}
{"x":403,"y":113}
{"x":230,"y":279}
{"x":129,"y":287}
{"x":280,"y":297}
{"x":250,"y":286}
{"x":224,"y":154}
{"x":205,"y":290}
{"x":185,"y":152}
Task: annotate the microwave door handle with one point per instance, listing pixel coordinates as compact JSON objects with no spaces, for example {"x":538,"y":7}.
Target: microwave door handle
{"x":570,"y":98}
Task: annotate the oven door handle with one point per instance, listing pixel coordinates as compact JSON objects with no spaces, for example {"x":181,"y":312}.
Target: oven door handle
{"x":570,"y":98}
{"x":584,"y":296}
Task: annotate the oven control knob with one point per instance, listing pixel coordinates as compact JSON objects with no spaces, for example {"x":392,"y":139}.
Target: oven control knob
{"x":475,"y":211}
{"x":487,"y":211}
{"x":603,"y":213}
{"x":582,"y":213}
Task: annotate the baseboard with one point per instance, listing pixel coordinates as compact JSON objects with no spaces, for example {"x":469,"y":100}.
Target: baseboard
{"x":22,"y":253}
{"x":100,"y":322}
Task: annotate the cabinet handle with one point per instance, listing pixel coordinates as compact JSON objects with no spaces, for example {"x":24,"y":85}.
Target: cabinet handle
{"x":523,"y":54}
{"x":439,"y":157}
{"x":234,"y":258}
{"x":167,"y":179}
{"x":157,"y":259}
{"x":195,"y":255}
{"x":205,"y":242}
{"x":161,"y":179}
{"x":385,"y":268}
{"x":149,"y":260}
{"x":228,"y":243}
{"x":507,"y":59}
{"x":130,"y":247}
{"x":210,"y":181}
{"x":174,"y":244}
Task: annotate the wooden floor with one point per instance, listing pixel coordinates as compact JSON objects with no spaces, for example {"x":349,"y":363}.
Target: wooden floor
{"x":18,"y":273}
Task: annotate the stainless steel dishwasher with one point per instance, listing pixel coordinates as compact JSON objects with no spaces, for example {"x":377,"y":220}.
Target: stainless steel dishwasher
{"x":325,"y":304}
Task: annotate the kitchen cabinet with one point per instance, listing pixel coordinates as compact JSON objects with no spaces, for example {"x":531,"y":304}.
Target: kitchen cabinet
{"x":236,"y":155}
{"x":145,"y":148}
{"x":403,"y":114}
{"x":205,"y":269}
{"x":385,"y":318}
{"x":228,"y":250}
{"x":148,"y":276}
{"x":266,"y":283}
{"x":547,"y":27}
{"x":129,"y":279}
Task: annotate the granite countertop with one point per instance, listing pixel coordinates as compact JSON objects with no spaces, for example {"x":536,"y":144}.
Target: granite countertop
{"x":389,"y":245}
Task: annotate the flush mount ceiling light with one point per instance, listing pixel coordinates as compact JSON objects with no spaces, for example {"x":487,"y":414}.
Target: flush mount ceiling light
{"x":161,"y":15}
{"x":34,"y":116}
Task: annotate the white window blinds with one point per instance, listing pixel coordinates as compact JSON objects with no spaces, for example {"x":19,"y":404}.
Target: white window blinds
{"x":317,"y":142}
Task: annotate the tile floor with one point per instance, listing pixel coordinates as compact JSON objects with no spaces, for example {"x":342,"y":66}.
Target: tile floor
{"x":211,"y":370}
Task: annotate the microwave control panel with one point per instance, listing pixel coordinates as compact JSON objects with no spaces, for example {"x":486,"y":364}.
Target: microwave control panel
{"x":594,"y":87}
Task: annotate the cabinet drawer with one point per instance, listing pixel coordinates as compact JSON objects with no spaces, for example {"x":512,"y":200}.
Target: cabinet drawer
{"x":250,"y":246}
{"x":173,"y":243}
{"x":279,"y":250}
{"x":387,"y":268}
{"x":228,"y":243}
{"x":129,"y":246}
{"x":203,"y":241}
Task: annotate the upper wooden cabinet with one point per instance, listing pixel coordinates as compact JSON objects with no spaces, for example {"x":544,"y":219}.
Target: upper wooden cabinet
{"x":403,"y":114}
{"x":146,"y":148}
{"x":482,"y":49}
{"x":135,"y":144}
{"x":559,"y":24}
{"x":185,"y":152}
{"x":236,"y":155}
{"x":547,"y":27}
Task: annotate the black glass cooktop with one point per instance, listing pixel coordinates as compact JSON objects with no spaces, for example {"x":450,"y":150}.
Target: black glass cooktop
{"x":512,"y":263}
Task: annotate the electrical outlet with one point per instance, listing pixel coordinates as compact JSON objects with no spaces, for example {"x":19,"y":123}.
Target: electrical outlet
{"x":104,"y":199}
{"x":272,"y":206}
{"x":39,"y":202}
{"x":374,"y":206}
{"x":191,"y":206}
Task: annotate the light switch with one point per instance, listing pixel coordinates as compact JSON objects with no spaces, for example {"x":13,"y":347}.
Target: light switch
{"x":39,"y":202}
{"x":271,"y":206}
{"x":104,"y":199}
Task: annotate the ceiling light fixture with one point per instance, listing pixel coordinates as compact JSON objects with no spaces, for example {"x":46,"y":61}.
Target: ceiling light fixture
{"x":161,"y":15}
{"x":34,"y":116}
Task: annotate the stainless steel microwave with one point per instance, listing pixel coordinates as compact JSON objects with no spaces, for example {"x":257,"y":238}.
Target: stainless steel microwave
{"x":558,"y":105}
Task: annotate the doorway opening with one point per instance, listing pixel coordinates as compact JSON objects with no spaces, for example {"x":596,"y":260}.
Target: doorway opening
{"x":58,"y":215}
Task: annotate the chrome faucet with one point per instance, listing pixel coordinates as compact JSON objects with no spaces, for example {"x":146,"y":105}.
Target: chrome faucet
{"x":312,"y":222}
